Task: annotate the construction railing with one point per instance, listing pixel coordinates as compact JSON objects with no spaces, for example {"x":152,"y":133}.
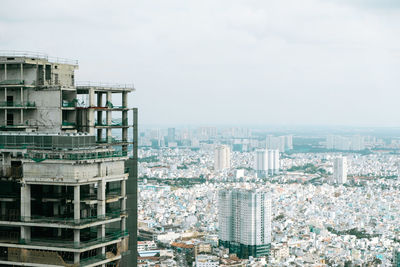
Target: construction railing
{"x":67,"y":123}
{"x":91,"y":260}
{"x":113,"y":123}
{"x":104,"y":85}
{"x":69,"y":104}
{"x":17,"y":104}
{"x":110,"y":141}
{"x":57,"y":242}
{"x":72,"y":221}
{"x":37,"y":55}
{"x":38,"y":157}
{"x":12,"y":82}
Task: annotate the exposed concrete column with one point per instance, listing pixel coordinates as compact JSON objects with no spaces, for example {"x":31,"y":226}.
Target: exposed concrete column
{"x":5,"y":71}
{"x":5,"y":110}
{"x":91,"y":111}
{"x":109,"y":115}
{"x":77,"y":203}
{"x":22,"y":103}
{"x":101,"y":197}
{"x":22,"y":71}
{"x":25,"y":210}
{"x":57,"y":207}
{"x":123,"y":204}
{"x":77,"y":257}
{"x":77,"y":240}
{"x":125,"y":99}
{"x":125,"y":119}
{"x":101,"y":210}
{"x":99,"y":115}
{"x":6,"y":162}
{"x":77,"y":216}
{"x":57,"y":190}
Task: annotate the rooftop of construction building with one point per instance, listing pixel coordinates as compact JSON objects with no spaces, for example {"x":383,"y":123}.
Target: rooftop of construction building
{"x":28,"y":56}
{"x":82,"y":87}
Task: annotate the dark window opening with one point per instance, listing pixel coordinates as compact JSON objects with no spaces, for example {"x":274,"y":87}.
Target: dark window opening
{"x":10,"y":100}
{"x":48,"y":72}
{"x":55,"y":78}
{"x":10,"y":119}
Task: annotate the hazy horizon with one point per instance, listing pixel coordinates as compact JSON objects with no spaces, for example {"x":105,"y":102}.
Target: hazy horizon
{"x":278,"y":62}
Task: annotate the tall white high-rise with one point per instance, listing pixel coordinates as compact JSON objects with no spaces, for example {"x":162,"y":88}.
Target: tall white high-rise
{"x":289,"y":142}
{"x":245,"y":221}
{"x":283,"y":143}
{"x":261,"y":164}
{"x":273,"y":161}
{"x":340,"y":170}
{"x":222,"y":157}
{"x":276,"y":166}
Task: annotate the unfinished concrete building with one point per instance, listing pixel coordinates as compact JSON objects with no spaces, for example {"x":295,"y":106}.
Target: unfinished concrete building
{"x":63,"y":175}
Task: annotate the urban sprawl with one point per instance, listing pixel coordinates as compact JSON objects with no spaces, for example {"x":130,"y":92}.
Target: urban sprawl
{"x":239,"y":197}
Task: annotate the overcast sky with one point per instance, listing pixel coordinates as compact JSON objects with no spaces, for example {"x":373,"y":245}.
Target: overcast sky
{"x":261,"y":62}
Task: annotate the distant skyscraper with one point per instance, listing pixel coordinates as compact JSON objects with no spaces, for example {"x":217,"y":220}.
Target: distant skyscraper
{"x":261,"y":163}
{"x":340,"y":170}
{"x":276,"y":165}
{"x":171,"y":135}
{"x":206,"y":132}
{"x":282,"y":143}
{"x":289,"y":142}
{"x":245,"y":222}
{"x":353,"y":143}
{"x":222,"y":157}
{"x":273,"y":161}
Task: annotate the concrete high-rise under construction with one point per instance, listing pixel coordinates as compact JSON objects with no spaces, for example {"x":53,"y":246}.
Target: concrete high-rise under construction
{"x":66,"y":180}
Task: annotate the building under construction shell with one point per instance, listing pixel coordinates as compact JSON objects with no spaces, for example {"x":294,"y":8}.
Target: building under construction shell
{"x":64,"y":166}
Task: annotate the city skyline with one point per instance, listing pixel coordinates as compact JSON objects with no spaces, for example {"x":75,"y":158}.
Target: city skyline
{"x":260,"y":63}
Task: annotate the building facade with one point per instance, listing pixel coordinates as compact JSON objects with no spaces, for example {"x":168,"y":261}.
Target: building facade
{"x":245,"y":222}
{"x":340,"y":170}
{"x":261,"y":165}
{"x":63,"y":180}
{"x":273,"y":161}
{"x":222,"y":158}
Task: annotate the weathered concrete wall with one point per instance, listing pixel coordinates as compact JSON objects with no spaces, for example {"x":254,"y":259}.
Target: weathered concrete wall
{"x":47,"y":115}
{"x":65,"y":75}
{"x":68,"y":172}
{"x":112,"y":168}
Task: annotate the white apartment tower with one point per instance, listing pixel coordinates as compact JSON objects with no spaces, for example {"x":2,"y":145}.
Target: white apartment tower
{"x":245,"y":222}
{"x":222,"y":157}
{"x":273,"y":161}
{"x":283,"y":143}
{"x":340,"y":170}
{"x":261,"y":163}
